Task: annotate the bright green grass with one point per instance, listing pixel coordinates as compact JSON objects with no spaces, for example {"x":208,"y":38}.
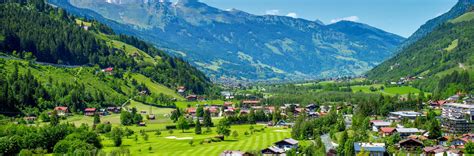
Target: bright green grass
{"x":129,"y":49}
{"x":403,"y":90}
{"x":156,"y":88}
{"x":78,"y":22}
{"x":174,"y":147}
{"x":453,"y":45}
{"x":463,"y":18}
{"x":184,"y":104}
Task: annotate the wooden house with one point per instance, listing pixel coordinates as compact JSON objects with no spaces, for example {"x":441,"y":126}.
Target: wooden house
{"x":61,"y":110}
{"x":90,"y":111}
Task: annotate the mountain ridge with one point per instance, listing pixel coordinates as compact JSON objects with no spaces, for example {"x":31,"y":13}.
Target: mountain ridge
{"x":241,"y":46}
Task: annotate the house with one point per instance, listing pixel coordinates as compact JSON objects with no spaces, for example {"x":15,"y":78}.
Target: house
{"x":379,"y":124}
{"x":374,"y":149}
{"x":437,"y":150}
{"x":235,"y":153}
{"x":405,"y":115}
{"x":191,"y":111}
{"x":103,"y":112}
{"x":62,"y":111}
{"x":455,"y":152}
{"x":90,"y":111}
{"x":151,"y":117}
{"x":108,"y":70}
{"x":227,"y":104}
{"x":410,"y":145}
{"x":386,"y":131}
{"x":214,"y":111}
{"x":405,"y":132}
{"x":437,"y":104}
{"x":244,"y":112}
{"x":29,"y":118}
{"x":191,"y":97}
{"x":273,"y":151}
{"x":457,"y":118}
{"x":250,"y":103}
{"x":114,"y":109}
{"x":312,"y":107}
{"x":287,"y":144}
{"x":143,"y":124}
{"x":181,"y":90}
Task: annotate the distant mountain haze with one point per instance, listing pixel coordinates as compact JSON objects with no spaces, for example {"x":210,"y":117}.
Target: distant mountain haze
{"x":236,"y":45}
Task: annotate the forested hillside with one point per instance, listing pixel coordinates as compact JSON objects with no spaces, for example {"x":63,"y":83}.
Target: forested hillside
{"x":435,"y":57}
{"x":75,"y":50}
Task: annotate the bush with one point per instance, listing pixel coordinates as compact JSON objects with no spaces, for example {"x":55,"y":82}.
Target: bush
{"x":207,"y":140}
{"x":216,"y":140}
{"x":169,"y":127}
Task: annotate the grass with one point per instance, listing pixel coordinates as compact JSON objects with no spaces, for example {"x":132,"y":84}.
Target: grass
{"x":161,"y":145}
{"x":453,"y":45}
{"x":402,"y":90}
{"x":184,"y":104}
{"x":463,"y":18}
{"x":155,"y":87}
{"x":130,"y":50}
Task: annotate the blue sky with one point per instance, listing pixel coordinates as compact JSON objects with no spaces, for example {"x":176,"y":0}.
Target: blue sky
{"x":401,"y":17}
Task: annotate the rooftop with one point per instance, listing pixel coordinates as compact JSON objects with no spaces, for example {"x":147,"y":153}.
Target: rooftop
{"x":370,"y":147}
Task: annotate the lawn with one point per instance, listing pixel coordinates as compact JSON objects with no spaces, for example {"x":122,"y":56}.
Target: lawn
{"x":177,"y":144}
{"x":402,"y":90}
{"x":155,"y":87}
{"x":184,"y":104}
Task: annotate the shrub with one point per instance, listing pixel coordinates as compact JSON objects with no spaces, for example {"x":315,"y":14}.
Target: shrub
{"x":169,"y":127}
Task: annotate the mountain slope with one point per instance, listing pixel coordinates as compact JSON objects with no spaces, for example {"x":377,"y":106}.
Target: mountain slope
{"x":49,"y":58}
{"x":449,"y":47}
{"x":237,"y":45}
{"x":460,"y":8}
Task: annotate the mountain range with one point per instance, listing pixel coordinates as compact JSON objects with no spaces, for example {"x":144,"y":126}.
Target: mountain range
{"x":235,"y":45}
{"x":440,"y":47}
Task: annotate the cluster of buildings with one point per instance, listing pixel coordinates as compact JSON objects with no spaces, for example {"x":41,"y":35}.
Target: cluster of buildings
{"x":64,"y":111}
{"x":457,"y":117}
{"x":277,"y":149}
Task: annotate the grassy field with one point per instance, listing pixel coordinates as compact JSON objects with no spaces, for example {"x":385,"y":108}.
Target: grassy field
{"x":184,"y":104}
{"x":463,"y":18}
{"x":402,"y":90}
{"x":155,"y":87}
{"x":177,"y":144}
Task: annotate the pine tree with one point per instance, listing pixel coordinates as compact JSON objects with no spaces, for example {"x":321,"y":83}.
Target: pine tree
{"x":197,"y":128}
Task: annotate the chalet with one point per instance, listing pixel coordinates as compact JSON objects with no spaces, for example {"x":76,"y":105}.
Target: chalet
{"x":269,"y":109}
{"x":435,"y":150}
{"x":410,"y":145}
{"x":90,"y":111}
{"x":386,"y":131}
{"x":235,"y":153}
{"x":244,"y":112}
{"x":287,"y":144}
{"x":192,"y":97}
{"x":379,"y":124}
{"x":113,"y":109}
{"x":191,"y":111}
{"x":405,"y":132}
{"x":273,"y":151}
{"x":108,"y":70}
{"x":181,"y":90}
{"x":62,"y":111}
{"x":214,"y":111}
{"x":374,"y":149}
{"x":229,"y":111}
{"x":143,"y":124}
{"x":437,"y":104}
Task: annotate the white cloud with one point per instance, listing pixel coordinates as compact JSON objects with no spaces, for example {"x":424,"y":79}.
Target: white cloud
{"x":292,"y":14}
{"x":272,"y":12}
{"x":349,"y":18}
